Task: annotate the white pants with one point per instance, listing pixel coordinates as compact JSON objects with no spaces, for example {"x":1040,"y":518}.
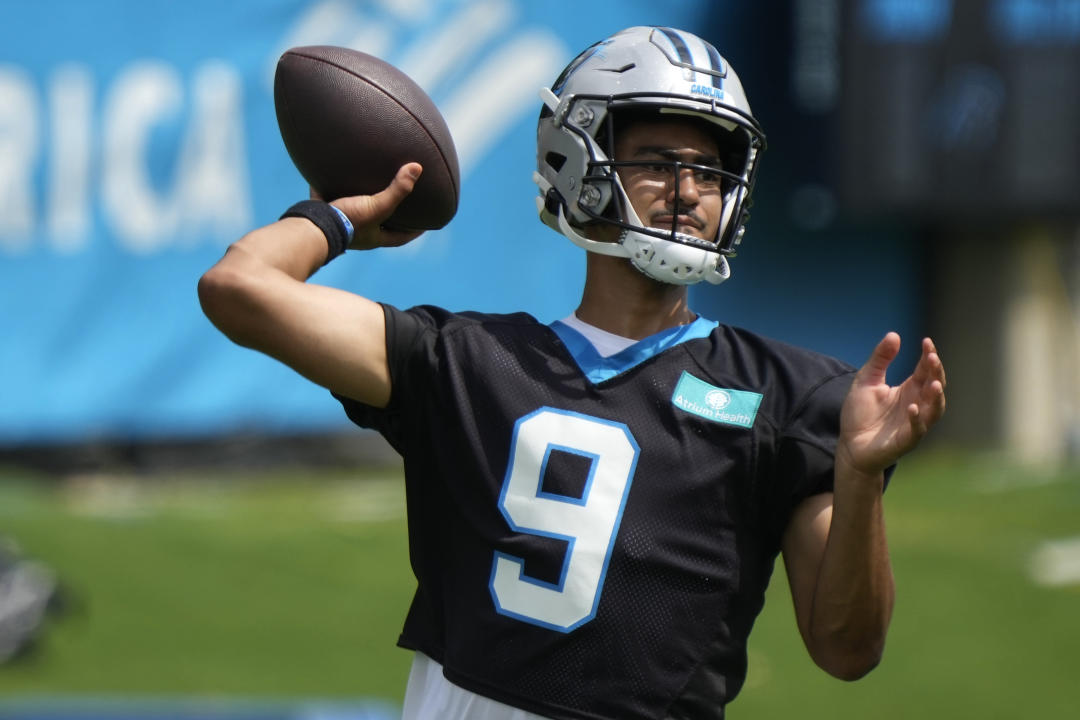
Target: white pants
{"x":430,"y":696}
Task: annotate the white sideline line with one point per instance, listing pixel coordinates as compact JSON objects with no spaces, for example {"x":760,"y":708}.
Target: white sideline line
{"x":1056,"y":563}
{"x":999,"y":480}
{"x":108,"y":497}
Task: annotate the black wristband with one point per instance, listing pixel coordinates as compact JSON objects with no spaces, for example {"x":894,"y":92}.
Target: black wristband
{"x":332,"y":222}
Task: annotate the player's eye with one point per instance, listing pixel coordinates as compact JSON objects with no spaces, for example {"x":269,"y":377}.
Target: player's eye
{"x":708,"y":177}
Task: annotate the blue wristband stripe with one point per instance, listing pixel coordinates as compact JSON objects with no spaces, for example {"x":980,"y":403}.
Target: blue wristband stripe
{"x":345,"y":221}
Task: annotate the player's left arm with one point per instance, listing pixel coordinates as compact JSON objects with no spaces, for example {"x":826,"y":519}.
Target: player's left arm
{"x":835,"y":548}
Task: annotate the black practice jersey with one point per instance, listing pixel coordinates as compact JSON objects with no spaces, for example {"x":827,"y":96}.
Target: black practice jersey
{"x":592,"y":538}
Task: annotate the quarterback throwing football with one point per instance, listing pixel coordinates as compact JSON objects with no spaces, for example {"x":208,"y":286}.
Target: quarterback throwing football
{"x":595,"y":505}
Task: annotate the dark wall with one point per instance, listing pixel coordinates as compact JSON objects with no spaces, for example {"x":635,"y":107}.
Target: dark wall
{"x":805,"y":273}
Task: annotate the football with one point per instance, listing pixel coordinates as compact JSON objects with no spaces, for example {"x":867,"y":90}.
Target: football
{"x":350,"y":120}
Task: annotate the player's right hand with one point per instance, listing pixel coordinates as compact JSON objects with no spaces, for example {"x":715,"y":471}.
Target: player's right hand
{"x":368,"y":212}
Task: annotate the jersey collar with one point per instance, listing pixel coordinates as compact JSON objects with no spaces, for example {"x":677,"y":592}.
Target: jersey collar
{"x":598,"y":368}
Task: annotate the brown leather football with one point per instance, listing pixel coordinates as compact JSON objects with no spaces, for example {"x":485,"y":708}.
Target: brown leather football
{"x":350,"y":120}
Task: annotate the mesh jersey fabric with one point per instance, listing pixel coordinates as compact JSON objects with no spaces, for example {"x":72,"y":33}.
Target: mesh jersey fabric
{"x":697,"y":535}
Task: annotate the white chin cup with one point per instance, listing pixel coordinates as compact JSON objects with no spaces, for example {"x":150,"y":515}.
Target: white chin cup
{"x":672,"y":262}
{"x":668,"y":261}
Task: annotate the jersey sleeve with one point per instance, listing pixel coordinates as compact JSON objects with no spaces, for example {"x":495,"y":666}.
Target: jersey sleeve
{"x":410,"y":338}
{"x":808,"y":440}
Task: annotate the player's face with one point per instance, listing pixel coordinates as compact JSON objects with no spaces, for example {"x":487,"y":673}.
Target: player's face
{"x":651,"y":188}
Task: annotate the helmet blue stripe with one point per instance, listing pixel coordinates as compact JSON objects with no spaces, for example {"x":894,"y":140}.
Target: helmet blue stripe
{"x":717,"y":64}
{"x":682,"y":46}
{"x":679,"y":44}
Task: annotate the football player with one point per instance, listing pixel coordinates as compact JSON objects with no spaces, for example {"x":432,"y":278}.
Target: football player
{"x":595,"y":505}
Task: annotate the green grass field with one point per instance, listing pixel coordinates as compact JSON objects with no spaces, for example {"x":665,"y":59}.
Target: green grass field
{"x":288,"y":586}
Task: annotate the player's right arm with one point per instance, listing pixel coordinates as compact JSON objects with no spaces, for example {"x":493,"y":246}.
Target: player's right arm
{"x":257,"y":295}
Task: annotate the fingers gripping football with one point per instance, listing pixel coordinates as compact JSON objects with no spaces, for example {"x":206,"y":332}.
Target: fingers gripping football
{"x":368,"y":212}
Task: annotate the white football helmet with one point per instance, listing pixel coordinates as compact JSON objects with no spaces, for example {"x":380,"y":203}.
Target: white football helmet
{"x":644,"y":69}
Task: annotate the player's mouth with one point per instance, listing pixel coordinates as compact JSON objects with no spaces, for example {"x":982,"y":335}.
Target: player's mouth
{"x":687,"y":224}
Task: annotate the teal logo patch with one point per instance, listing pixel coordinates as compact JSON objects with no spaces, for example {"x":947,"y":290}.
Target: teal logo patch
{"x":731,"y":407}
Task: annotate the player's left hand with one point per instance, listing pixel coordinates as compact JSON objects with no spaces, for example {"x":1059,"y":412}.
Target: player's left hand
{"x":879,"y":422}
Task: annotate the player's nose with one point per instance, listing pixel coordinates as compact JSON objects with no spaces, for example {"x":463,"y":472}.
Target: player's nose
{"x":686,"y":186}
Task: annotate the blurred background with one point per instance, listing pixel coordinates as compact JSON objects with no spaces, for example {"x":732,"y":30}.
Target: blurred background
{"x":188,"y":530}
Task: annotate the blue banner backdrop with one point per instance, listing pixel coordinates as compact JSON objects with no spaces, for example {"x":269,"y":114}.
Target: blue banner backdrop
{"x":138,"y":139}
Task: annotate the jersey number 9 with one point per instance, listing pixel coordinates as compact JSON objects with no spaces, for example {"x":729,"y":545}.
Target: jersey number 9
{"x":588,"y":523}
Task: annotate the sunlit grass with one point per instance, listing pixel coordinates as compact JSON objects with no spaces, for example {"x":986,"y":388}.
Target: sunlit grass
{"x":973,"y":636}
{"x":296,"y":584}
{"x":281,"y":586}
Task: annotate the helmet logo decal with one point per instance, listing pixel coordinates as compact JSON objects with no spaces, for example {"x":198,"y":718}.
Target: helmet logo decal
{"x":595,"y":49}
{"x":708,"y":91}
{"x":561,"y":80}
